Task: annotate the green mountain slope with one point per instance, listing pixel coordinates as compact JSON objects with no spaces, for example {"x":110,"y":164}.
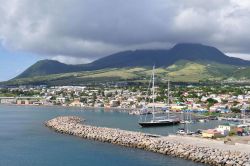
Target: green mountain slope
{"x":45,"y":67}
{"x":140,"y":58}
{"x":181,"y":71}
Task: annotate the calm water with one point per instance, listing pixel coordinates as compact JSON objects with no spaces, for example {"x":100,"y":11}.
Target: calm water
{"x":25,"y":141}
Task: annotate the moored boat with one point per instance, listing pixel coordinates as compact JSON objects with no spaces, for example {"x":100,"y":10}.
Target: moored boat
{"x":158,"y":121}
{"x":163,"y":122}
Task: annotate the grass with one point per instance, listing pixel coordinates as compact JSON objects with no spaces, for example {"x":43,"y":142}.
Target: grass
{"x":182,"y":71}
{"x":121,"y":73}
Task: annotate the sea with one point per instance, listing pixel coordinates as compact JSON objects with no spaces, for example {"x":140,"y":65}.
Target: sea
{"x":25,"y":141}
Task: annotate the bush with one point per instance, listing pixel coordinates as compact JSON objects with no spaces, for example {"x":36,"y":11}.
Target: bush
{"x":235,"y":110}
{"x":232,"y":133}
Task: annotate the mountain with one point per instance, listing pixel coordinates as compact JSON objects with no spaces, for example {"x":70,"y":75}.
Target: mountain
{"x":45,"y":67}
{"x":180,"y":71}
{"x":139,"y":58}
{"x":164,"y":58}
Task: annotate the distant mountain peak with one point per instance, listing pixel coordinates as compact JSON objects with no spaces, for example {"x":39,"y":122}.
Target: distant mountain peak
{"x":188,"y":44}
{"x":192,"y":46}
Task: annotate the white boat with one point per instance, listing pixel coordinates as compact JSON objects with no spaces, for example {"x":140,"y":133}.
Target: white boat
{"x":181,"y":132}
{"x":201,"y":120}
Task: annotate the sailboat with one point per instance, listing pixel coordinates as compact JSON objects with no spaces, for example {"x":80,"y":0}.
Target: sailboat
{"x":158,"y":121}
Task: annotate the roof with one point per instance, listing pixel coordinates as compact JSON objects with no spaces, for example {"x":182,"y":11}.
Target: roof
{"x":212,"y":131}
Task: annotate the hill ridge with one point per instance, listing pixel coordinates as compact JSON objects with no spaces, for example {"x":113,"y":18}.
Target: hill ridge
{"x":138,"y":58}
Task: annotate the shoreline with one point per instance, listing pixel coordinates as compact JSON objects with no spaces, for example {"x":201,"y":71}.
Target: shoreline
{"x":89,"y":107}
{"x":125,"y":110}
{"x":201,"y":151}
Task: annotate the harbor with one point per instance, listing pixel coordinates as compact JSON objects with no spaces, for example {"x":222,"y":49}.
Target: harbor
{"x":207,"y":153}
{"x":124,"y":83}
{"x":25,"y":140}
{"x":26,"y":124}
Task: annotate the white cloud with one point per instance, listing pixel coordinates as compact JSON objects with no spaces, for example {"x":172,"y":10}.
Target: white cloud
{"x":239,"y":55}
{"x":70,"y":60}
{"x":89,"y":29}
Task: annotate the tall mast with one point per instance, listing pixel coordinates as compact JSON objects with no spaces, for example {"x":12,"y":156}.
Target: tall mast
{"x":244,"y":116}
{"x":153,"y":89}
{"x":168,"y":98}
{"x":168,"y":92}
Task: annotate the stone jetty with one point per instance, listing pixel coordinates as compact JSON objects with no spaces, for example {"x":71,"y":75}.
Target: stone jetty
{"x":160,"y":144}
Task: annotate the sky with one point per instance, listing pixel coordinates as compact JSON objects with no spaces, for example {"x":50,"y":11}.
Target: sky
{"x":80,"y":31}
{"x":12,"y":64}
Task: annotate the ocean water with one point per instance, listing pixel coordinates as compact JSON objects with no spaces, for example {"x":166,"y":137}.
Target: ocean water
{"x":25,"y":141}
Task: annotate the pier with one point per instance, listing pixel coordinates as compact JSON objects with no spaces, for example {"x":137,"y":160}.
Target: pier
{"x":207,"y":153}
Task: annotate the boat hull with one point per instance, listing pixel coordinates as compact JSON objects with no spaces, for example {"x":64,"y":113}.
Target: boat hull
{"x":155,"y":124}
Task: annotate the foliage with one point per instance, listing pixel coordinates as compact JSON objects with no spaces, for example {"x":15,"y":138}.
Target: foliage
{"x":184,"y":71}
{"x":211,"y":101}
{"x":232,"y":133}
{"x":235,"y":110}
{"x":184,"y":62}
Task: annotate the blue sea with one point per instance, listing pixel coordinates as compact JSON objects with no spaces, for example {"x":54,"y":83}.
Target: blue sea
{"x":25,"y":141}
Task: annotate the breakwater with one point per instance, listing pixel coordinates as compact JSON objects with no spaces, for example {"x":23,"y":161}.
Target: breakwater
{"x":71,"y":125}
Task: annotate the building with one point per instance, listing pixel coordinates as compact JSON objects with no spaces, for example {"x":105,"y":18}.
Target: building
{"x":60,"y":99}
{"x":211,"y":133}
{"x":228,"y":127}
{"x":7,"y":100}
{"x":76,"y":103}
{"x":114,"y":103}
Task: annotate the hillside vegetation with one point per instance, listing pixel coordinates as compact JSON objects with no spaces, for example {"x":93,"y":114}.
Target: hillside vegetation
{"x":181,"y":71}
{"x":195,"y":53}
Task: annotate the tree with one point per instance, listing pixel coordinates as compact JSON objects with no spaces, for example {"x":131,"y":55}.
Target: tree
{"x":53,"y":98}
{"x":235,"y":110}
{"x":83,"y":100}
{"x":235,"y":103}
{"x":102,"y":93}
{"x":211,"y":101}
{"x":94,"y":97}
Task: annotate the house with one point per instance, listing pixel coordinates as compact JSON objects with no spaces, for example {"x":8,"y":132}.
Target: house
{"x":227,"y":126}
{"x":225,"y":129}
{"x":204,"y":99}
{"x":211,"y":133}
{"x":243,"y":128}
{"x":178,"y":107}
{"x":60,"y":99}
{"x":156,"y":105}
{"x":99,"y":104}
{"x":114,"y":103}
{"x":76,"y":103}
{"x":219,"y":108}
{"x":7,"y":100}
{"x":28,"y":102}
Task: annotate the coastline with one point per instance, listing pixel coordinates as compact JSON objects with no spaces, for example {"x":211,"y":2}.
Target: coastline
{"x":195,"y":150}
{"x":87,"y":107}
{"x":127,"y":110}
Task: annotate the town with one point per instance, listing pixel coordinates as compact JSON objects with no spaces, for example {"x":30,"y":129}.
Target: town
{"x":212,"y":99}
{"x":231,"y":103}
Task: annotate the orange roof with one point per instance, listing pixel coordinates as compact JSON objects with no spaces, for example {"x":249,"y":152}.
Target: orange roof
{"x":212,"y":131}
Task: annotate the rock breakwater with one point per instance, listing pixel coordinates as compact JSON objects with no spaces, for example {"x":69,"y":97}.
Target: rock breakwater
{"x":71,"y":125}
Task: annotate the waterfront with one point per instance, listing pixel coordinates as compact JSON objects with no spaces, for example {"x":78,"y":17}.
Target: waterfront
{"x":206,"y":151}
{"x":25,"y":141}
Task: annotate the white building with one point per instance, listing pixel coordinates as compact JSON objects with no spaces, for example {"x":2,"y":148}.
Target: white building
{"x":8,"y":100}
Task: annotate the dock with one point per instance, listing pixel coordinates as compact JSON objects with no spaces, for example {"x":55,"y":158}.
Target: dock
{"x":174,"y":146}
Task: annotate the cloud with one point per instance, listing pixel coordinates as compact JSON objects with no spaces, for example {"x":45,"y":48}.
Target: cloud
{"x":239,"y":55}
{"x":84,"y":30}
{"x":70,"y":60}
